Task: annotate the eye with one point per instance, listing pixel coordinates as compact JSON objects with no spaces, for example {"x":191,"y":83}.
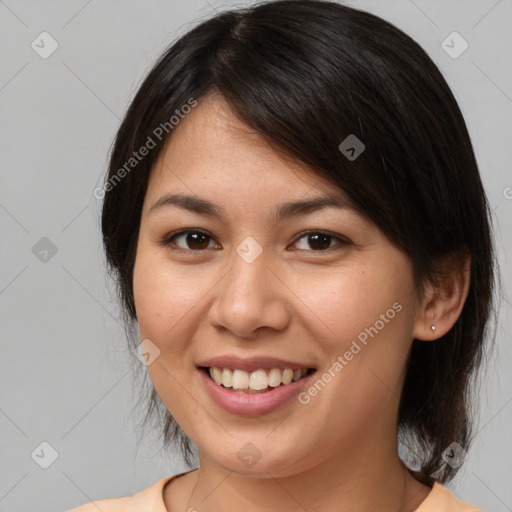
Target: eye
{"x":320,"y":241}
{"x":196,"y":240}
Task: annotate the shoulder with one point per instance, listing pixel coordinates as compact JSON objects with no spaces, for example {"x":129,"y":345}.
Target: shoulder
{"x":106,"y":505}
{"x":441,"y":499}
{"x":150,"y":498}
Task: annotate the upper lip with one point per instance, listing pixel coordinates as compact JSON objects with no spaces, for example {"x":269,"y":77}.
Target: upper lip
{"x":250,"y":364}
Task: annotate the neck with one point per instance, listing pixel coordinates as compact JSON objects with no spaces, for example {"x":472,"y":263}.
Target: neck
{"x":356,"y":480}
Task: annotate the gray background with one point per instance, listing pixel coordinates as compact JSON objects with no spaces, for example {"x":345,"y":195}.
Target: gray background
{"x":64,"y":364}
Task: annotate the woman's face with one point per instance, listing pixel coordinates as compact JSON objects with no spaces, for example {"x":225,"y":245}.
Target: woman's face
{"x":264,"y":292}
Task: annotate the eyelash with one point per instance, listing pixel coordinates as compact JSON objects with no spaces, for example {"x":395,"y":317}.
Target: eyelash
{"x":168,"y":241}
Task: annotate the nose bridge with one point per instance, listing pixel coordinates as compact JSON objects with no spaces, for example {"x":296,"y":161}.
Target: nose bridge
{"x":248,"y":273}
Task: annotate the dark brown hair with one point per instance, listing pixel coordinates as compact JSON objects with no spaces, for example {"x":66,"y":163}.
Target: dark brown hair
{"x":306,"y":74}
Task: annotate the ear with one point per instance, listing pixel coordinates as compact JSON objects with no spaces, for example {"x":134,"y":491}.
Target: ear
{"x":443,"y":301}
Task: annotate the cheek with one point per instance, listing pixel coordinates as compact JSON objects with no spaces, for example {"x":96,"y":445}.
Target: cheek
{"x":363,"y":322}
{"x":351,"y":304}
{"x":158,"y":300}
{"x":167,"y":298}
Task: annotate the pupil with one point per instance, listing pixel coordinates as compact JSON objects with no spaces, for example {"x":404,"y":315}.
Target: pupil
{"x":192,"y":239}
{"x":319,"y":236}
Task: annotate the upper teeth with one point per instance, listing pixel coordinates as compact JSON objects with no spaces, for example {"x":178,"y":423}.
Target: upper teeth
{"x":256,"y":380}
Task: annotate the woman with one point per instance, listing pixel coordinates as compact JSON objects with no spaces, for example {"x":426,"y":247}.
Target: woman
{"x":296,"y":222}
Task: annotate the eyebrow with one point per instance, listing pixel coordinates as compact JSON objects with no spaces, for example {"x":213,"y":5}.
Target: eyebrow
{"x":202,"y":206}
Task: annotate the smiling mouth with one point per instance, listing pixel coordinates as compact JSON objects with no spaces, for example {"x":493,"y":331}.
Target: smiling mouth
{"x":259,"y":381}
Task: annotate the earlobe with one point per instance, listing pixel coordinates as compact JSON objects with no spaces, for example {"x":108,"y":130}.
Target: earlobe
{"x":443,"y":301}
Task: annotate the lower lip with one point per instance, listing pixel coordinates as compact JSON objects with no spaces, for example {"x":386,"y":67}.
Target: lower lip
{"x":252,"y":404}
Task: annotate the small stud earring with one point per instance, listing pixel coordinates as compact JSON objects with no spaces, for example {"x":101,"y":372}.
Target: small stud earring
{"x":433,"y":327}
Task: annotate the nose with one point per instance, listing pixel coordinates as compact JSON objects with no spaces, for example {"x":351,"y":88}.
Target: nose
{"x":251,"y":296}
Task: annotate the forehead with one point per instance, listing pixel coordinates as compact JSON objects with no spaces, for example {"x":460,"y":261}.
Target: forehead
{"x":211,"y":146}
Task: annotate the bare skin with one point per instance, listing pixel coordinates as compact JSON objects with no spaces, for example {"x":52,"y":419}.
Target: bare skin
{"x":295,"y":301}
